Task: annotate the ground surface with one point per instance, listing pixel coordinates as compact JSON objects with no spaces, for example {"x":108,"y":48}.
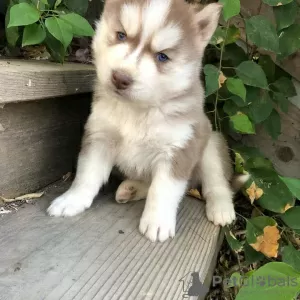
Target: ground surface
{"x":100,"y":254}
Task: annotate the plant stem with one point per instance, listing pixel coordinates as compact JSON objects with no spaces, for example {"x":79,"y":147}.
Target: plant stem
{"x":220,"y":68}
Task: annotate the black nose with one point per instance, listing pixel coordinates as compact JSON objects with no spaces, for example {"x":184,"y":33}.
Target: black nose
{"x":121,"y":79}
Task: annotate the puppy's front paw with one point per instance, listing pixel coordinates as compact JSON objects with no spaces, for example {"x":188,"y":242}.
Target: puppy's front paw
{"x":69,"y":204}
{"x":156,"y":225}
{"x":220,"y":213}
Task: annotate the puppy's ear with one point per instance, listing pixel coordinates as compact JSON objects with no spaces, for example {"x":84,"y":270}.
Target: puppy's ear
{"x":206,"y":22}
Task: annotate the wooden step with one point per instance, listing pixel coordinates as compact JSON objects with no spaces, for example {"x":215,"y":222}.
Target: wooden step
{"x":100,"y":254}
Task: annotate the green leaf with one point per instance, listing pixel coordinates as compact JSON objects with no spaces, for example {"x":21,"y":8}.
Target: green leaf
{"x":33,"y":34}
{"x":285,"y":86}
{"x":236,"y":87}
{"x":23,"y":14}
{"x":12,"y":33}
{"x":211,"y":79}
{"x":277,"y":2}
{"x":255,"y":227}
{"x":262,"y":33}
{"x":230,"y":108}
{"x":231,"y":8}
{"x":235,"y":280}
{"x":252,"y":74}
{"x":289,"y":40}
{"x":218,"y":36}
{"x":61,"y":30}
{"x":285,"y":15}
{"x":273,"y":125}
{"x":241,"y":123}
{"x":235,"y":54}
{"x":233,"y":243}
{"x":80,"y":26}
{"x":238,"y":101}
{"x":293,"y":185}
{"x":291,"y":256}
{"x":275,"y":280}
{"x":259,"y":163}
{"x":233,"y":34}
{"x":57,"y":3}
{"x":260,"y":104}
{"x":281,"y":100}
{"x":292,"y":217}
{"x":252,"y":255}
{"x":268,"y":66}
{"x":55,"y":48}
{"x":276,"y":196}
{"x":247,"y":152}
{"x":77,"y":6}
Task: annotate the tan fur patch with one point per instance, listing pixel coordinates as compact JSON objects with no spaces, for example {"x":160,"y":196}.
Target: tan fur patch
{"x":187,"y":158}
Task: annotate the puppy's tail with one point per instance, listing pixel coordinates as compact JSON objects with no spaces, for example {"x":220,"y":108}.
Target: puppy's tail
{"x":238,"y":181}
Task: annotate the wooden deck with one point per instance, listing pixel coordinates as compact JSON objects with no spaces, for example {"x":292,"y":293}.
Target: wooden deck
{"x":100,"y":254}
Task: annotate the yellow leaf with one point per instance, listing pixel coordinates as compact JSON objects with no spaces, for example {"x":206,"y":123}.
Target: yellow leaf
{"x":222,"y":79}
{"x":288,"y":206}
{"x":24,"y":197}
{"x":194,"y":193}
{"x":254,"y":192}
{"x":267,"y":243}
{"x":279,"y":4}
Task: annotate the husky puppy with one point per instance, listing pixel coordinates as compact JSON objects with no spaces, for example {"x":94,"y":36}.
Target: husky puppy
{"x":147,"y":115}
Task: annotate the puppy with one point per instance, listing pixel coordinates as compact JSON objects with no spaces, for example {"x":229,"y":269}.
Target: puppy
{"x":147,"y":115}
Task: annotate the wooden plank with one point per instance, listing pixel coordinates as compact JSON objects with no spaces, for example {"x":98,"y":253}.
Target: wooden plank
{"x":22,"y":80}
{"x":100,"y":254}
{"x":39,"y":142}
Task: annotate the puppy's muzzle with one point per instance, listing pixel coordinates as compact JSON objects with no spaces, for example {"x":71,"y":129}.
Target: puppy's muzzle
{"x":121,"y":79}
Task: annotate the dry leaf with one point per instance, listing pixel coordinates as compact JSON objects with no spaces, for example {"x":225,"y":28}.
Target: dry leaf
{"x":194,"y":193}
{"x":24,"y":197}
{"x":267,"y":243}
{"x":254,"y":192}
{"x":279,"y":4}
{"x":222,"y":79}
{"x":288,"y":206}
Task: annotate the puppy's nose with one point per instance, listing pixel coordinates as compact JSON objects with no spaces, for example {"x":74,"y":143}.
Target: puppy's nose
{"x":121,"y":79}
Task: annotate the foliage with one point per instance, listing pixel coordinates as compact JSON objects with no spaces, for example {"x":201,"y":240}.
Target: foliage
{"x":246,"y":89}
{"x":50,"y":22}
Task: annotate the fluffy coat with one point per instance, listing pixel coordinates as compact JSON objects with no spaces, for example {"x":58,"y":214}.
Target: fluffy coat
{"x":148,"y":118}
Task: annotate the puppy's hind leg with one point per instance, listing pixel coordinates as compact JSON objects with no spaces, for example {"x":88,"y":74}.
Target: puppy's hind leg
{"x":132,"y":190}
{"x":215,"y":173}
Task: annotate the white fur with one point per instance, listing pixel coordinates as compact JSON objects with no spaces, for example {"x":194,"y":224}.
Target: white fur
{"x":130,"y":19}
{"x":174,"y":34}
{"x":159,"y":217}
{"x":93,"y":170}
{"x":215,"y":186}
{"x":140,"y":130}
{"x":154,"y":16}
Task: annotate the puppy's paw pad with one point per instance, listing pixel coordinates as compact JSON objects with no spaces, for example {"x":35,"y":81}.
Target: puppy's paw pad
{"x":220,"y":214}
{"x":156,"y":230}
{"x":125,"y":193}
{"x":67,"y":206}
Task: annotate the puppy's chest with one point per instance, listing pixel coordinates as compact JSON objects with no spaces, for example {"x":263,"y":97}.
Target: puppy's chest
{"x":145,"y":145}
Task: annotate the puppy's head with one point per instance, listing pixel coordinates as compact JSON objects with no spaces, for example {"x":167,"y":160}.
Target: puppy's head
{"x":150,"y":51}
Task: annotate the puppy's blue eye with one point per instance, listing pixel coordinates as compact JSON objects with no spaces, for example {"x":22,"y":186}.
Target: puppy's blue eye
{"x":162,"y":57}
{"x":121,"y":36}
